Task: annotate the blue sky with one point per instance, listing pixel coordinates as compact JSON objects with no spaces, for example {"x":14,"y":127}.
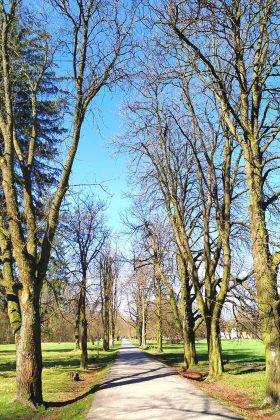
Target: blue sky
{"x":96,"y":160}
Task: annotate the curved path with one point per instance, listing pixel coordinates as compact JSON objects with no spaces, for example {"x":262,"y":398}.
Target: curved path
{"x":141,"y":388}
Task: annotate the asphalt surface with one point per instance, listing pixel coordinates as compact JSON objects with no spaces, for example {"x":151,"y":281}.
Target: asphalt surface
{"x":139,"y":388}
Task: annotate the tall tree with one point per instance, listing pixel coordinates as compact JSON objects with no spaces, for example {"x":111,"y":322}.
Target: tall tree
{"x":237,"y":59}
{"x":32,"y":238}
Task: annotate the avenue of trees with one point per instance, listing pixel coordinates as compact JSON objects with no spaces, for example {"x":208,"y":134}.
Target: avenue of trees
{"x":201,"y":128}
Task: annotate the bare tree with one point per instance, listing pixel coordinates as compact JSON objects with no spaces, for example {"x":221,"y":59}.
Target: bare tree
{"x":108,"y":274}
{"x":83,"y":230}
{"x":93,"y":68}
{"x":232,"y":46}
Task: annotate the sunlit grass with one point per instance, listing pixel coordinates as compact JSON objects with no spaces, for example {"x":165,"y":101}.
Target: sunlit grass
{"x":59,"y":360}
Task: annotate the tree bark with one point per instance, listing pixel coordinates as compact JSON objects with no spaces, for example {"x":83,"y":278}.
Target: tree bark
{"x":265,"y":275}
{"x":214,"y":347}
{"x":159,"y":317}
{"x":144,"y":324}
{"x":11,"y":288}
{"x":29,"y":356}
{"x":106,"y":322}
{"x":190,"y":357}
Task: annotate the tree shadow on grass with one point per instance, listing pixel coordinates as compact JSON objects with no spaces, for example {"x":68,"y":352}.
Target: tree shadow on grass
{"x":240,"y":356}
{"x":71,"y":363}
{"x":7,"y":366}
{"x":57,"y":404}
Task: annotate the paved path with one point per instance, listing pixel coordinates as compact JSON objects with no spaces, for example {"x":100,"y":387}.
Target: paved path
{"x":140,"y":388}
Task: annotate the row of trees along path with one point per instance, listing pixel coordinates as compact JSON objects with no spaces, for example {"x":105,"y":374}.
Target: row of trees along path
{"x":202,"y":127}
{"x":29,"y":139}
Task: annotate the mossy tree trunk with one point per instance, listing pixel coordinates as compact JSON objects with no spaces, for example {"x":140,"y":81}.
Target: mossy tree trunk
{"x":265,"y":273}
{"x":11,"y":287}
{"x":214,"y":348}
{"x":186,"y":313}
{"x":29,"y":355}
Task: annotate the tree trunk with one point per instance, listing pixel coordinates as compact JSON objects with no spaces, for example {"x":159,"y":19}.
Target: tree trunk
{"x":139,"y":331}
{"x":29,"y":355}
{"x":159,"y":319}
{"x":265,"y":276}
{"x":11,"y":288}
{"x":77,"y":322}
{"x":190,"y":357}
{"x":113,"y":326}
{"x":214,"y":348}
{"x":84,"y":350}
{"x":106,"y":323}
{"x":144,"y":325}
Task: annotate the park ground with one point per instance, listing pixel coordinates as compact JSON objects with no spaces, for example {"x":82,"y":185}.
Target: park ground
{"x":241,"y":387}
{"x":65,"y":399}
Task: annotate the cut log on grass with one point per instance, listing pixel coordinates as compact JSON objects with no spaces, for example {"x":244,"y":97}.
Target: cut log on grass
{"x":197,"y":376}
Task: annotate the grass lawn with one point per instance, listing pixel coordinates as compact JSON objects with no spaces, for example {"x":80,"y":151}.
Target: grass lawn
{"x":243,"y":383}
{"x":65,"y":399}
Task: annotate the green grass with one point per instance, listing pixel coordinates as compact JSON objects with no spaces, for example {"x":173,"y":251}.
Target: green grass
{"x":59,"y":360}
{"x":240,"y":357}
{"x":234,"y":352}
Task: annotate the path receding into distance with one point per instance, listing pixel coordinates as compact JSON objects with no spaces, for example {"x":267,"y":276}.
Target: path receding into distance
{"x":140,"y":388}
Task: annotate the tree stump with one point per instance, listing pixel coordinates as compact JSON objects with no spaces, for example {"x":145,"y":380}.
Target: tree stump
{"x":74,"y":376}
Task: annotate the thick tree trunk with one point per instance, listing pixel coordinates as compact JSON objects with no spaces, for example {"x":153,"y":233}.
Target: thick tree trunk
{"x":265,"y":276}
{"x":190,"y":357}
{"x":214,"y":348}
{"x":29,"y":355}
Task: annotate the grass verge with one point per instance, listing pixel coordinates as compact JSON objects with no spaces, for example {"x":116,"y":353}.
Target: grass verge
{"x":65,"y":399}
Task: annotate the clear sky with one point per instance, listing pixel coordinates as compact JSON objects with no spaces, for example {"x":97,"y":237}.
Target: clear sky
{"x":96,"y":160}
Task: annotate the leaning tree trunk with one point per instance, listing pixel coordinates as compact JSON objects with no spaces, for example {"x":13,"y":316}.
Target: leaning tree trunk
{"x":266,"y":278}
{"x":11,"y":289}
{"x":84,"y":349}
{"x":29,"y":355}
